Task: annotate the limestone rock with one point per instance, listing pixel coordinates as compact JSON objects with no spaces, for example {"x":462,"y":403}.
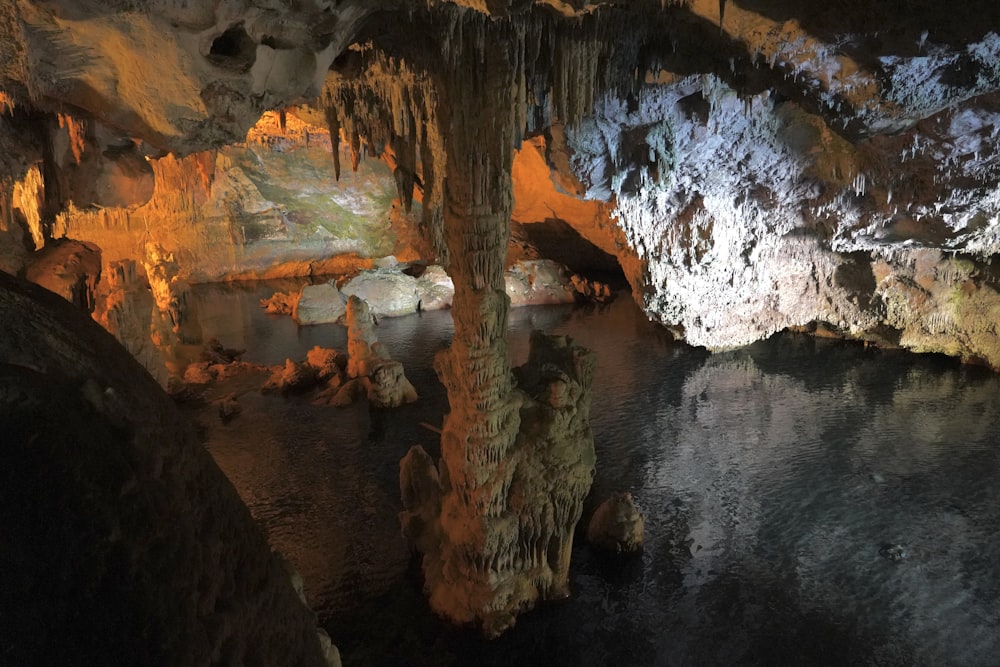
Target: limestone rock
{"x":71,"y":269}
{"x":537,"y":282}
{"x":328,"y":363}
{"x":170,"y":290}
{"x":198,"y":373}
{"x":389,"y":386}
{"x":331,"y":655}
{"x":435,"y":288}
{"x":420,"y":492}
{"x":388,"y":292}
{"x":319,"y":304}
{"x":16,"y":245}
{"x":293,"y":377}
{"x":360,"y":337}
{"x":616,"y":525}
{"x":341,"y":395}
{"x":280,"y":303}
{"x":369,"y":364}
{"x":591,"y":290}
{"x":229,"y":409}
{"x":215,"y":352}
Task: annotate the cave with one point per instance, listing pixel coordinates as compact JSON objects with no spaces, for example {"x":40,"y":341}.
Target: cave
{"x":328,"y":328}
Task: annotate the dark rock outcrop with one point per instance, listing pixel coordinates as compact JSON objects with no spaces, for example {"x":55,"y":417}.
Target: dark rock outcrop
{"x":123,"y":541}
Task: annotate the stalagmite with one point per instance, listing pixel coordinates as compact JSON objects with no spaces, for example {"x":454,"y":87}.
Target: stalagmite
{"x":370,"y":368}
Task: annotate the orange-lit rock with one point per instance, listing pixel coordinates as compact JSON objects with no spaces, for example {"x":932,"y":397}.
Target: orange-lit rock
{"x":546,"y":199}
{"x":71,"y":269}
{"x":369,"y":363}
{"x":266,"y":208}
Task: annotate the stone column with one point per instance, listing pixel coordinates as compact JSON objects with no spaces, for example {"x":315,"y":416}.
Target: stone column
{"x":494,"y":529}
{"x":481,"y":428}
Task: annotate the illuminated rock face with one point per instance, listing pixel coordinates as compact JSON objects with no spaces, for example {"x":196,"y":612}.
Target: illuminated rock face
{"x":120,"y":529}
{"x":751,"y":215}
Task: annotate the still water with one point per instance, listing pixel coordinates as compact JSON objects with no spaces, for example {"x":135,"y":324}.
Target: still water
{"x":770,"y":478}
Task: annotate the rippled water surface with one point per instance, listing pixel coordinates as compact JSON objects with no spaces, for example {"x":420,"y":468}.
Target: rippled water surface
{"x":770,"y":478}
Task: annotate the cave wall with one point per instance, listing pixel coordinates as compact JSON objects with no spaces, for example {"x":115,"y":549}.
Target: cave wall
{"x":750,"y":215}
{"x":263,"y":208}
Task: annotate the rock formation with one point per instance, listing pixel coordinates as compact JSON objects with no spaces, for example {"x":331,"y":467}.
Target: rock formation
{"x":617,"y":525}
{"x":319,"y":304}
{"x":125,"y":543}
{"x":71,"y":269}
{"x":369,"y":364}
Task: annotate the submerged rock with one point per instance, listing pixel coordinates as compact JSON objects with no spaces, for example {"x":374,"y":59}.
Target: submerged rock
{"x":389,"y":292}
{"x":328,"y":363}
{"x":617,"y":525}
{"x":229,"y":408}
{"x":216,"y":353}
{"x":894,"y":552}
{"x":280,"y":303}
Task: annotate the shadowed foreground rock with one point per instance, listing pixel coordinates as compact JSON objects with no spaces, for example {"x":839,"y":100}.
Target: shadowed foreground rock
{"x":123,"y":541}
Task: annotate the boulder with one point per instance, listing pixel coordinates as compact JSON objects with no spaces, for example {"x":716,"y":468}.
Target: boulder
{"x":617,"y":525}
{"x":319,"y":304}
{"x":389,"y":292}
{"x":125,"y":544}
{"x":534,"y":282}
{"x":435,"y":288}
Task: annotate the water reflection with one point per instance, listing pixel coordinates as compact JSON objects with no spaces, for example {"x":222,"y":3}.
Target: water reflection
{"x":770,"y":478}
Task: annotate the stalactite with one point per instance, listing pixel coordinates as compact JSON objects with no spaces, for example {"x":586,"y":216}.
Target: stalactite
{"x":355,"y":150}
{"x":333,"y":124}
{"x":77,"y":130}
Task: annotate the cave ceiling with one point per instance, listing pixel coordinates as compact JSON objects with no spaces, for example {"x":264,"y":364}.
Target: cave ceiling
{"x":184,"y":75}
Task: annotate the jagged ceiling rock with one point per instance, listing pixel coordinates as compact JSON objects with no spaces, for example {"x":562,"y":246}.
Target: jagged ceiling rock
{"x":181,"y":75}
